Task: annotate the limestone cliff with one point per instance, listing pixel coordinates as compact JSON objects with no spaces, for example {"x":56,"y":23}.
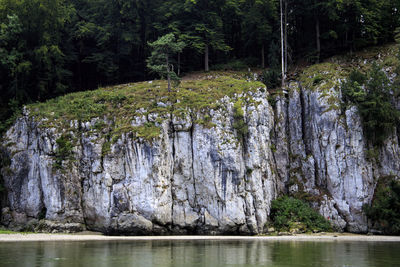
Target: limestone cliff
{"x":213,"y":169}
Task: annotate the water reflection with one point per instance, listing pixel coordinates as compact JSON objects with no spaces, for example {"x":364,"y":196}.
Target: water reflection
{"x":200,"y":253}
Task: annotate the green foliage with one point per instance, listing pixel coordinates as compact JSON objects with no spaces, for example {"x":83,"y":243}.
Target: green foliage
{"x":5,"y":162}
{"x":272,"y":100}
{"x":99,"y":125}
{"x":384,"y":211}
{"x":11,"y":114}
{"x":397,"y":35}
{"x":372,"y":154}
{"x":8,"y":232}
{"x":239,"y":124}
{"x":249,"y":171}
{"x":273,"y":148}
{"x":205,"y":28}
{"x":352,"y":90}
{"x":105,"y":148}
{"x":63,"y":151}
{"x":159,"y":61}
{"x":317,"y":79}
{"x":258,"y":17}
{"x":274,"y":58}
{"x":287,"y":210}
{"x":2,"y":189}
{"x":373,"y":97}
{"x":235,"y":65}
{"x":271,"y":78}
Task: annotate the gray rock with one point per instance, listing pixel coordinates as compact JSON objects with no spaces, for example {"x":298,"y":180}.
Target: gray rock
{"x":195,"y":179}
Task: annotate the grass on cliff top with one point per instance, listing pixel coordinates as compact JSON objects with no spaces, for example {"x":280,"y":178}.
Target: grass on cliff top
{"x":324,"y":76}
{"x":122,"y":103}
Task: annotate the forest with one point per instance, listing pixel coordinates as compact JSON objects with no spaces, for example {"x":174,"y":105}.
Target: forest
{"x":52,"y":47}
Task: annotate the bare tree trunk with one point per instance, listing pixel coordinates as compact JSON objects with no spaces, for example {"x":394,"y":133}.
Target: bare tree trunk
{"x":179,"y":64}
{"x":262,"y":57}
{"x":282,"y":48}
{"x":318,"y":38}
{"x":206,"y":68}
{"x":286,"y":45}
{"x":168,"y":77}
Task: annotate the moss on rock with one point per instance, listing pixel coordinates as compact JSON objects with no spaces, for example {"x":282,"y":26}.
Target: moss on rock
{"x":123,"y":103}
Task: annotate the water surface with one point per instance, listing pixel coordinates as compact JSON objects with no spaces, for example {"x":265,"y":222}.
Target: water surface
{"x":177,"y":253}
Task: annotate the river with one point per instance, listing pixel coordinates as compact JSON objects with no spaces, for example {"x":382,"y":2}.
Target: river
{"x":177,"y":253}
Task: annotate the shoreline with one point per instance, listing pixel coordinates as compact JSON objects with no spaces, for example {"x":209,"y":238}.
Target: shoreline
{"x":41,"y":237}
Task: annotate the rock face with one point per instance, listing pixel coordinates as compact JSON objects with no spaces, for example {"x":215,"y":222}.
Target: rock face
{"x":197,"y":178}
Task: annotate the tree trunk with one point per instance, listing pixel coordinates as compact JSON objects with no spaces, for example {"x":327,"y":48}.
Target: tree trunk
{"x":282,"y":48}
{"x":168,"y":77}
{"x":262,"y":57}
{"x":179,"y":64}
{"x":318,"y":38}
{"x":206,"y":68}
{"x":286,"y":45}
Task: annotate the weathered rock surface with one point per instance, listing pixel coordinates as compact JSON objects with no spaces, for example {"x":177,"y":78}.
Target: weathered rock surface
{"x":198,"y":179}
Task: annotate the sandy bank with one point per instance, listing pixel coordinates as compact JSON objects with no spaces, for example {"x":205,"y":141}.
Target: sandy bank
{"x":99,"y":237}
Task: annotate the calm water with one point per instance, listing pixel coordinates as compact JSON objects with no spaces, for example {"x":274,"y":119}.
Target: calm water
{"x":200,"y":253}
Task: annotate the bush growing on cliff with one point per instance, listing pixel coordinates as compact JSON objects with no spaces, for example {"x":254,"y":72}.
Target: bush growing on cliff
{"x":372,"y":94}
{"x":271,"y":78}
{"x":239,"y":124}
{"x":63,"y":151}
{"x":5,"y":162}
{"x":384,"y":212}
{"x":287,"y":211}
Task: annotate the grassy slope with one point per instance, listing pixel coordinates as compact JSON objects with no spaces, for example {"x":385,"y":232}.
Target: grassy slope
{"x":325,"y":75}
{"x":122,"y":103}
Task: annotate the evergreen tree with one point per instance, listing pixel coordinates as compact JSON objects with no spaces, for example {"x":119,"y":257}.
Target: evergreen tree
{"x":258,"y":21}
{"x":205,"y":30}
{"x":159,"y":61}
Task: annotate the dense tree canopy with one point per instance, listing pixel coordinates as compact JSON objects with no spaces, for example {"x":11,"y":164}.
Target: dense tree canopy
{"x":51,"y":47}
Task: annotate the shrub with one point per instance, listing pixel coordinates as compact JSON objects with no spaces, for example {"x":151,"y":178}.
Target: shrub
{"x":239,"y":124}
{"x":317,"y":79}
{"x":384,"y":211}
{"x":272,"y":101}
{"x":352,"y":91}
{"x":271,"y":78}
{"x":5,"y":162}
{"x":286,"y":211}
{"x":63,"y":151}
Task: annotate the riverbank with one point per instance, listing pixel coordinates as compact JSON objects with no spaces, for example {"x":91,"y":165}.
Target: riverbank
{"x":91,"y":236}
